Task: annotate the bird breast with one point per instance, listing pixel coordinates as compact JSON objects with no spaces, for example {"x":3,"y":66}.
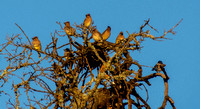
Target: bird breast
{"x":106,"y":35}
{"x":96,"y":36}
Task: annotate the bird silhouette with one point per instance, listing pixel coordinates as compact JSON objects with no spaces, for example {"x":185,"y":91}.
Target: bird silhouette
{"x":160,"y":67}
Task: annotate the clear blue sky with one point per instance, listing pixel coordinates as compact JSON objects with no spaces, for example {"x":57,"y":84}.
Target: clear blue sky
{"x":181,"y":55}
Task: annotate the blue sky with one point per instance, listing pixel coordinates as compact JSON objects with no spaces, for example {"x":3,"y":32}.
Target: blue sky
{"x":181,"y":55}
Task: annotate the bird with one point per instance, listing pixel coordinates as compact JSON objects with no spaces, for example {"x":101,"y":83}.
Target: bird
{"x":96,"y":35}
{"x":106,"y":33}
{"x":70,"y":31}
{"x":87,"y":21}
{"x":119,"y":38}
{"x":68,"y":54}
{"x":160,"y":67}
{"x":37,"y":45}
{"x":56,"y":68}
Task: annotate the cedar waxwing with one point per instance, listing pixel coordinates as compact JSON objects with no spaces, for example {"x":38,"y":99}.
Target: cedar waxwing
{"x":70,"y":31}
{"x":67,"y":54}
{"x":119,"y":38}
{"x":96,"y":35}
{"x":87,"y":21}
{"x":106,"y":33}
{"x":56,"y":68}
{"x":160,"y":67}
{"x":37,"y":44}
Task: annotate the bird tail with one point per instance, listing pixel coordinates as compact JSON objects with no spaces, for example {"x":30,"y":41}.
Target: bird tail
{"x":167,"y":77}
{"x":39,"y":55}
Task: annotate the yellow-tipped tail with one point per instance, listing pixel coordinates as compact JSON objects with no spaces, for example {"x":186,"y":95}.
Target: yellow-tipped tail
{"x":39,"y":55}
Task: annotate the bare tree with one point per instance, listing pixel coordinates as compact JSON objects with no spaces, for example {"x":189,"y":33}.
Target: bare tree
{"x":80,"y":73}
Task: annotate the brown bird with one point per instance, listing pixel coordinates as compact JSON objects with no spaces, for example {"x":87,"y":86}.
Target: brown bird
{"x":87,"y":21}
{"x":96,"y":35}
{"x":119,"y":38}
{"x":37,"y":44}
{"x":106,"y":33}
{"x":70,"y":31}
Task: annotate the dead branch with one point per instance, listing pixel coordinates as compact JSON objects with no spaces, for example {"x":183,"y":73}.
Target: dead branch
{"x":108,"y":73}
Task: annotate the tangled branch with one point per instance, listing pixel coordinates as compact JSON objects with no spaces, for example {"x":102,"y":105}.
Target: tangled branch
{"x":85,"y":75}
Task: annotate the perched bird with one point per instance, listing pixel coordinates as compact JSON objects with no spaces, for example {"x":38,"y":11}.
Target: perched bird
{"x":106,"y":33}
{"x":68,"y":54}
{"x":119,"y":38}
{"x":70,"y":31}
{"x":37,"y":44}
{"x":160,"y":67}
{"x":56,"y":68}
{"x":87,"y":21}
{"x":96,"y":35}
